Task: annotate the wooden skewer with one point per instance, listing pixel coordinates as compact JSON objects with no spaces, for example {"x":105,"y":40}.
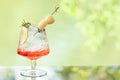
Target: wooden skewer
{"x":55,"y":10}
{"x":43,"y":23}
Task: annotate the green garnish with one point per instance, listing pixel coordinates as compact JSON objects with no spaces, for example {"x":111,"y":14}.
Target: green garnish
{"x":25,"y":24}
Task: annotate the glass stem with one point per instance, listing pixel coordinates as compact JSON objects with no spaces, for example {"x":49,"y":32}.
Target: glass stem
{"x":33,"y":64}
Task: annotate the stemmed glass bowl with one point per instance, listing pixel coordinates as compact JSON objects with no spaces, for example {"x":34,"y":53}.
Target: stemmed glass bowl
{"x":33,"y":45}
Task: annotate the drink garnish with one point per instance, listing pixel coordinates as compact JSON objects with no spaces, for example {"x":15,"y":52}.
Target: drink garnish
{"x":47,"y":20}
{"x":24,"y":32}
{"x":25,"y":24}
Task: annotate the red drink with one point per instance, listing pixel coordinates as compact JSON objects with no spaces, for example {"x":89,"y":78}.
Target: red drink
{"x":33,"y":44}
{"x":33,"y":55}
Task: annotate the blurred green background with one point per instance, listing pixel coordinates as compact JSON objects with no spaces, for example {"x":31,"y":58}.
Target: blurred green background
{"x":85,"y":32}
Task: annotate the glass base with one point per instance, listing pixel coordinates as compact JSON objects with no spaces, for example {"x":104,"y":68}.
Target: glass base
{"x":33,"y":73}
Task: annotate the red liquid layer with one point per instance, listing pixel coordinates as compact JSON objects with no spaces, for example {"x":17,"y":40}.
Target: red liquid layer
{"x":33,"y":55}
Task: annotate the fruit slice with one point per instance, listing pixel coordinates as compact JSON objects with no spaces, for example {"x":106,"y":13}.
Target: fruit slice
{"x":23,"y":35}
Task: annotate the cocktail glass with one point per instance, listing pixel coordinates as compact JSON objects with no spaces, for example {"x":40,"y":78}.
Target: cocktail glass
{"x":34,"y":46}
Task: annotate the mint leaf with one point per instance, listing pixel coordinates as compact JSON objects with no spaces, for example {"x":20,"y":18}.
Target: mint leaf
{"x":25,"y":24}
